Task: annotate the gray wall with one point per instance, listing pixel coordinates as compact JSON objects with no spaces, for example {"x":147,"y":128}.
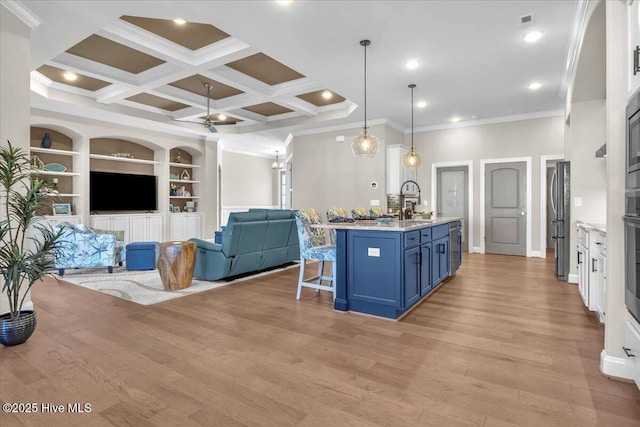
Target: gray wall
{"x":524,"y":138}
{"x":588,"y":173}
{"x":248,"y":181}
{"x":326,"y":173}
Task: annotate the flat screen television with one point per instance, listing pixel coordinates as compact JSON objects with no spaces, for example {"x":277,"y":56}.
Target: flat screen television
{"x":110,"y":191}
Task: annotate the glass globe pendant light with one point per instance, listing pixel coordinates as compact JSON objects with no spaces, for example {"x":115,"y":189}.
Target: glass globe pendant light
{"x":365,"y":145}
{"x":412,"y":160}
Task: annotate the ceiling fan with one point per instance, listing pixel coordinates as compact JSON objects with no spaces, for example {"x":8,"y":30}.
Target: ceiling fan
{"x":208,"y":122}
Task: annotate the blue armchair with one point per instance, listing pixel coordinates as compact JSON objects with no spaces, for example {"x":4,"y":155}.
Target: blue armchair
{"x":82,"y":247}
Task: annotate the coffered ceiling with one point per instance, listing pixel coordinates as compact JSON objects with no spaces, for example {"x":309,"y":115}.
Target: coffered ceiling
{"x":269,"y":65}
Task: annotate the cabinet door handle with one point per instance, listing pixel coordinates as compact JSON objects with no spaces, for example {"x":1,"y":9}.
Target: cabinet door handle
{"x":579,"y":259}
{"x":636,"y":60}
{"x":627,"y":352}
{"x":593,"y":265}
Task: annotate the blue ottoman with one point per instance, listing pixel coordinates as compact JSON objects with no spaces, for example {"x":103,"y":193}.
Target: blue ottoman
{"x":141,"y":256}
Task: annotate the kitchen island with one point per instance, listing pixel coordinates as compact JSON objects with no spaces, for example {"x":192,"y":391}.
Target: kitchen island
{"x":384,"y":270}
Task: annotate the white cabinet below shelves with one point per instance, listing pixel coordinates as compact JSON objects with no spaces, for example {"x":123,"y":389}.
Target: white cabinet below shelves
{"x":111,"y":223}
{"x":184,"y":226}
{"x":145,"y":228}
{"x":136,"y":227}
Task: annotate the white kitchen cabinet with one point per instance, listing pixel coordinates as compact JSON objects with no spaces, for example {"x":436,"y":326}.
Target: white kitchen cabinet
{"x":184,"y":226}
{"x":583,"y":264}
{"x":397,"y":173}
{"x":597,"y":275}
{"x":111,"y":223}
{"x":145,"y":228}
{"x":631,"y":348}
{"x":634,"y":43}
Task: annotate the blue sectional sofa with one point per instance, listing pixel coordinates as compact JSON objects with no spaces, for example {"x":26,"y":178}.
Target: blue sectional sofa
{"x":251,"y":241}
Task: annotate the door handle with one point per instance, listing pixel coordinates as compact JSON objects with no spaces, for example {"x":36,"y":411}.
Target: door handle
{"x":523,"y":212}
{"x":579,"y":259}
{"x":593,"y":265}
{"x":627,"y":352}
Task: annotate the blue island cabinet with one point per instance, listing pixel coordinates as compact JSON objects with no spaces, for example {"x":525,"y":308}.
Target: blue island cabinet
{"x":385,"y":273}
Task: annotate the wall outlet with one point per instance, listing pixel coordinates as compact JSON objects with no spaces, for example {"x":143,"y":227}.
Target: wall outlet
{"x":374,"y":202}
{"x":577,"y":201}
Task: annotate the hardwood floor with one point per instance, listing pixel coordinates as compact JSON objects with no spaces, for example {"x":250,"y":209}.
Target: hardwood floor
{"x":503,"y":343}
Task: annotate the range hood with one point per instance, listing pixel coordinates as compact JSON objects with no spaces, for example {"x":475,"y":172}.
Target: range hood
{"x":602,"y":151}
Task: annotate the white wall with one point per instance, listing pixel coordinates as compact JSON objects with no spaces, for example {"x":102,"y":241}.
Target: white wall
{"x":15,"y":50}
{"x":326,"y":173}
{"x":617,"y":54}
{"x":524,"y":138}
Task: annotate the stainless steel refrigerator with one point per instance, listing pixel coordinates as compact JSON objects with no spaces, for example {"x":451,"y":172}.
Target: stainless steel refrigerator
{"x":560,"y":203}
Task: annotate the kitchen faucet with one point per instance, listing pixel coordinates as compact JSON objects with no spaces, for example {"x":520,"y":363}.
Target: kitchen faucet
{"x":402,"y":196}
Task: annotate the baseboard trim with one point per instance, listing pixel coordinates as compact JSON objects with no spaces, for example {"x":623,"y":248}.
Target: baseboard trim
{"x":573,"y":278}
{"x":476,"y":250}
{"x":615,"y":366}
{"x":535,"y":254}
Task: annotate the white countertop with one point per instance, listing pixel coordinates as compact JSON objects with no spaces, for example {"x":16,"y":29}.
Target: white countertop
{"x":394,"y":225}
{"x":588,"y":226}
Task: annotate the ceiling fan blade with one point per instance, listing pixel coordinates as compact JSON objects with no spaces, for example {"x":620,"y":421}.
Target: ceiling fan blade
{"x":224,"y":123}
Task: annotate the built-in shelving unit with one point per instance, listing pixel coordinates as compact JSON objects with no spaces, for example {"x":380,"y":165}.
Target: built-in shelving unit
{"x":59,"y":150}
{"x":184,"y":181}
{"x":123,"y":159}
{"x":51,"y":173}
{"x":178,"y":171}
{"x":183,"y":165}
{"x":54,"y":151}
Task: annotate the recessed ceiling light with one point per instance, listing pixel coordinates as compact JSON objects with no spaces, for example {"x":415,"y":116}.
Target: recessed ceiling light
{"x":421,"y":104}
{"x":456,"y":119}
{"x":284,"y":2}
{"x":222,"y":117}
{"x":533,"y":36}
{"x":412,"y":64}
{"x":179,"y":21}
{"x":535,"y":85}
{"x":69,"y":76}
{"x":327,"y":94}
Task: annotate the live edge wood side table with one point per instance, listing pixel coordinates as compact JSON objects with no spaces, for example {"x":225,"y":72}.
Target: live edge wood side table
{"x":176,"y":261}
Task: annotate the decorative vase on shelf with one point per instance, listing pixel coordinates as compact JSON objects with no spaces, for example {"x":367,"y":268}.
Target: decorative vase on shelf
{"x":46,"y":141}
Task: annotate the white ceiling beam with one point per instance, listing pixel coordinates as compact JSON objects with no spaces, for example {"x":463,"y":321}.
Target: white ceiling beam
{"x":239,"y":80}
{"x":89,"y":68}
{"x":297,"y":104}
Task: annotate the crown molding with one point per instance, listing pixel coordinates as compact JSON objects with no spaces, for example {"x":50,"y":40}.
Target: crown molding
{"x":246,"y":153}
{"x":490,"y":121}
{"x":22,"y":12}
{"x":577,"y":32}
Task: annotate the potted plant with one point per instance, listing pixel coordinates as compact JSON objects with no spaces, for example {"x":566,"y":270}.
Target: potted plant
{"x":23,"y":259}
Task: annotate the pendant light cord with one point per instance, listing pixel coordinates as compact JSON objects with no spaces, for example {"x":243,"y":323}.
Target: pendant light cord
{"x":412,"y":119}
{"x":412,"y":86}
{"x":365,"y":88}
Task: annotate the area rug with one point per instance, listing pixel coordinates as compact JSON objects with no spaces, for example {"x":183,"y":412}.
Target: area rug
{"x":144,"y":287}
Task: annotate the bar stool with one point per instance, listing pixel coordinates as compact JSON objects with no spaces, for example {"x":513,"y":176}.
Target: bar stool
{"x":313,"y":248}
